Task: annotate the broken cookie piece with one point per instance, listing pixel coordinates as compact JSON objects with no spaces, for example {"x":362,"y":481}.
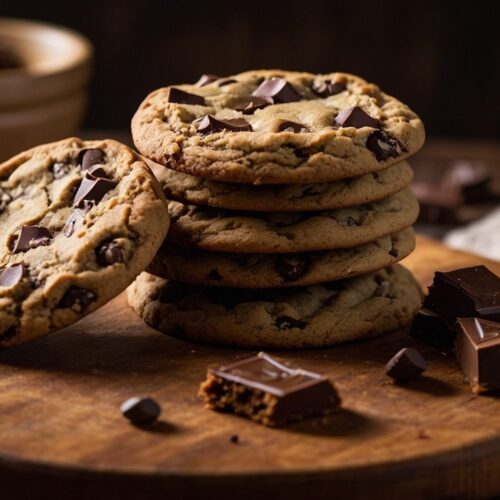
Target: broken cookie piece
{"x":267,"y":391}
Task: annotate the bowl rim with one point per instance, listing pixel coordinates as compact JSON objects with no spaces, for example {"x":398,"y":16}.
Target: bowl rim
{"x":82,"y":54}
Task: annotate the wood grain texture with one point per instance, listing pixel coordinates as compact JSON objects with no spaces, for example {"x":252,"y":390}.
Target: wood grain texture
{"x":62,"y":435}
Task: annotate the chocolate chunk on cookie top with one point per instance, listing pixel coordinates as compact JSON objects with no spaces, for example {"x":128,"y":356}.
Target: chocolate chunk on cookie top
{"x":276,"y":127}
{"x":80,"y":220}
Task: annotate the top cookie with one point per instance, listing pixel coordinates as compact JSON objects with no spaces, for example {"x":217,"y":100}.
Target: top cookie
{"x":276,"y":127}
{"x":78,"y":221}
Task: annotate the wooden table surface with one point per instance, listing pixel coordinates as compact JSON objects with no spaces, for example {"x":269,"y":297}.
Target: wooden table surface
{"x":62,"y":435}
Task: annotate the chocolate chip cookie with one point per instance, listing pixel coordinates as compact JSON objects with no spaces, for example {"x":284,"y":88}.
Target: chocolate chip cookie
{"x":280,"y":232}
{"x":188,"y":265}
{"x":287,"y":198}
{"x":276,"y":127}
{"x":293,"y":318}
{"x":79,"y":220}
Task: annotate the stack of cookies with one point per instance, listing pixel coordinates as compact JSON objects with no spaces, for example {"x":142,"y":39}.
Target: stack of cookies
{"x":289,"y":206}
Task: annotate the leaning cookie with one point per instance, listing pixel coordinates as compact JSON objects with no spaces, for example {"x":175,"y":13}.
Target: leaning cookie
{"x":276,"y":127}
{"x":283,"y":198}
{"x":188,"y":265}
{"x":294,"y":318}
{"x":79,"y":220}
{"x":229,"y":231}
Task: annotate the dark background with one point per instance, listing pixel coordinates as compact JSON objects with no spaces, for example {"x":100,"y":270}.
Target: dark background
{"x":440,"y":57}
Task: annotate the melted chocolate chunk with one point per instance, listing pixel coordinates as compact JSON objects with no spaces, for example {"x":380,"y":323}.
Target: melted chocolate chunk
{"x":10,"y":276}
{"x":109,"y":253}
{"x":89,"y":157}
{"x":209,"y":125}
{"x":93,"y":188}
{"x":383,"y":146}
{"x":356,"y":117}
{"x":77,"y":299}
{"x":405,"y":365}
{"x":278,"y":89}
{"x":292,"y":267}
{"x":287,"y":126}
{"x":178,"y":96}
{"x":252,"y":104}
{"x":287,"y":323}
{"x":32,"y":237}
{"x":327,"y":88}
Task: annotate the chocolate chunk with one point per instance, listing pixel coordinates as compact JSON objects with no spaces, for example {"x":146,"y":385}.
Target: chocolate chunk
{"x":278,"y":89}
{"x":252,"y":104}
{"x":292,"y":267}
{"x":430,"y":328}
{"x":141,"y":411}
{"x":209,"y":125}
{"x":357,"y":118}
{"x":405,"y":365}
{"x":32,"y":237}
{"x":77,"y":299}
{"x":93,"y":188}
{"x":75,"y":220}
{"x":268,"y":392}
{"x":287,"y":323}
{"x":478,"y":352}
{"x":10,"y":276}
{"x":180,"y":97}
{"x":89,"y":157}
{"x":109,"y":253}
{"x":383,"y":146}
{"x":59,"y":170}
{"x":287,"y":126}
{"x":225,"y":81}
{"x":327,"y":88}
{"x":206,"y":79}
{"x":468,"y":292}
{"x":351,"y":221}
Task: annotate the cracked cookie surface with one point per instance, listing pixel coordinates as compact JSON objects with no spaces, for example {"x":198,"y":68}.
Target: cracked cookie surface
{"x":287,"y":198}
{"x":79,"y":220}
{"x":280,"y":232}
{"x":187,"y":265}
{"x":295,"y":318}
{"x":297,"y":128}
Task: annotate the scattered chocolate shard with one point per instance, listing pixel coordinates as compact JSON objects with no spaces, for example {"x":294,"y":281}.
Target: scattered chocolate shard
{"x":278,"y":89}
{"x":356,"y":117}
{"x":432,"y":329}
{"x":478,"y":353}
{"x":206,"y":79}
{"x":292,"y":267}
{"x":467,"y":292}
{"x":327,"y":88}
{"x":77,"y":299}
{"x":109,"y":253}
{"x":252,"y":104}
{"x":32,"y":237}
{"x":178,"y":96}
{"x":93,"y":188}
{"x":383,"y":146}
{"x":10,"y":276}
{"x":90,"y":157}
{"x":209,"y":125}
{"x":288,"y":126}
{"x":268,"y":392}
{"x":141,"y":411}
{"x":405,"y":365}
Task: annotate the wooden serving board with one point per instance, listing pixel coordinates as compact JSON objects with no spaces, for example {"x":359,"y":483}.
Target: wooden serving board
{"x":62,"y":434}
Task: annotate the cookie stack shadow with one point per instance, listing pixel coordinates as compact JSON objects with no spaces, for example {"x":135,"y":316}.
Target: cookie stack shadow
{"x":282,"y":265}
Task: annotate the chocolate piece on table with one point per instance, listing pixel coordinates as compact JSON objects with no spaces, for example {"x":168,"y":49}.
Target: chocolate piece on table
{"x":141,"y":411}
{"x":178,"y":96}
{"x":357,"y":118}
{"x":478,"y":352}
{"x":10,"y":276}
{"x":407,"y":364}
{"x":32,"y":237}
{"x":89,"y":157}
{"x":93,"y":188}
{"x":250,"y":105}
{"x":383,"y":146}
{"x":268,"y":392}
{"x":327,"y":88}
{"x":209,"y":125}
{"x":278,"y":89}
{"x":109,"y":253}
{"x":468,"y":292}
{"x":206,"y":79}
{"x":430,"y":328}
{"x":287,"y":126}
